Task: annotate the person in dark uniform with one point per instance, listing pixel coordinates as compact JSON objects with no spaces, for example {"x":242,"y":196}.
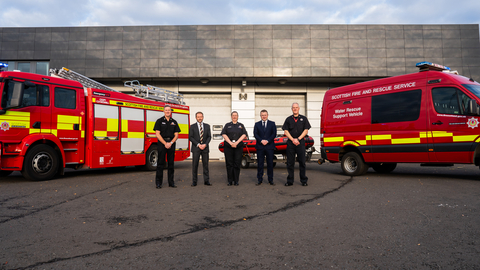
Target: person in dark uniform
{"x":166,"y":129}
{"x":296,"y":127}
{"x":233,"y":133}
{"x":200,"y":137}
{"x":265,"y":132}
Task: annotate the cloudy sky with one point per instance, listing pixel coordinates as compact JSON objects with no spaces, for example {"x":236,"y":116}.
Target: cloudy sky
{"x":34,"y":13}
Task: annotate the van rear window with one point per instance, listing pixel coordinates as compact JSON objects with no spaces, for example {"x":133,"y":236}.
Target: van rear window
{"x":396,"y":107}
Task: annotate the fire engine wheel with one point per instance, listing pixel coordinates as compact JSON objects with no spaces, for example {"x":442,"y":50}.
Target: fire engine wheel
{"x":41,"y":163}
{"x":151,"y":158}
{"x":245,"y":164}
{"x":353,"y":165}
{"x":384,"y":167}
{"x":5,"y":173}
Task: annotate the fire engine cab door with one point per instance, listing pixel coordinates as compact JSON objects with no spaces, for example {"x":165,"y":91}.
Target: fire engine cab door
{"x":452,"y":130}
{"x":69,"y":116}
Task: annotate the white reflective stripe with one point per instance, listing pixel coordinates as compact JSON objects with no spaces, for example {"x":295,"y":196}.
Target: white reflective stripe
{"x":132,"y":114}
{"x":180,"y":118}
{"x":132,"y":144}
{"x":181,"y":144}
{"x":152,"y":116}
{"x":105,"y":111}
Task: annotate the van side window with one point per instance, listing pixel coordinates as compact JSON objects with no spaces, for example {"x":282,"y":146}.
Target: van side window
{"x":449,"y":100}
{"x":65,"y":98}
{"x":396,"y":107}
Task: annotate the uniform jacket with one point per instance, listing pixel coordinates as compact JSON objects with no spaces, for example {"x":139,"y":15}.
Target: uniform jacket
{"x":194,"y":136}
{"x":265,"y":134}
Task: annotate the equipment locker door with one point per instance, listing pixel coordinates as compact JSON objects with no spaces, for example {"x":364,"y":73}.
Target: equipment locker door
{"x":69,"y":115}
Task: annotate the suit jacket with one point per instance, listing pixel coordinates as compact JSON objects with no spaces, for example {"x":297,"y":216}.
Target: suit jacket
{"x":265,"y":134}
{"x":194,"y":136}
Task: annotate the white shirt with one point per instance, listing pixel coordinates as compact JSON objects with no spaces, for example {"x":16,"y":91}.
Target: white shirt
{"x":200,"y":125}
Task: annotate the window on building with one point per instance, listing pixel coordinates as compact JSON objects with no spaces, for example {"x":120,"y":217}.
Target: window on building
{"x":450,"y":100}
{"x":65,"y":98}
{"x":396,"y":107}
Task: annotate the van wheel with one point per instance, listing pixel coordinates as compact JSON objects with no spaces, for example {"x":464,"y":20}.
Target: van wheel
{"x":384,"y":167}
{"x":352,"y":164}
{"x":5,"y":173}
{"x":245,"y":163}
{"x":41,"y":163}
{"x":151,"y":158}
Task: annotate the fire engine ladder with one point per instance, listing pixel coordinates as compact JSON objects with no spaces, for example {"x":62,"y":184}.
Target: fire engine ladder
{"x":155,"y":93}
{"x":84,"y":80}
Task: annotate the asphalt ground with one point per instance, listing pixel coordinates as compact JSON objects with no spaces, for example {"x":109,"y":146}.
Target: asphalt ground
{"x":413,"y":218}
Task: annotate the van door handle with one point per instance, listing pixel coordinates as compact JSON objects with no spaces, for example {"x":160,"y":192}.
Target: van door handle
{"x":437,"y":123}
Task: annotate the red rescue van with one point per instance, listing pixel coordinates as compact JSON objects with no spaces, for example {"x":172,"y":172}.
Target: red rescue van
{"x":430,"y":117}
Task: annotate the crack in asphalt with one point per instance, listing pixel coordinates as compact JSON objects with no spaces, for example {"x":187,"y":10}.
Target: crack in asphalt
{"x":210,"y":224}
{"x":57,"y":204}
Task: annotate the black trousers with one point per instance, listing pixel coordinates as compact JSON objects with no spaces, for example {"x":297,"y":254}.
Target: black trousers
{"x":170,"y":154}
{"x":261,"y":153}
{"x":233,"y":161}
{"x":196,"y":159}
{"x":293,"y":150}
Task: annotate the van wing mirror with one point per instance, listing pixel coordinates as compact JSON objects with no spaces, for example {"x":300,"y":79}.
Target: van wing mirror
{"x":473,"y":108}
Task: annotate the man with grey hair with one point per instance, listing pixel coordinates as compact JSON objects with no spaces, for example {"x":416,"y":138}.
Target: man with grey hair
{"x":296,"y":127}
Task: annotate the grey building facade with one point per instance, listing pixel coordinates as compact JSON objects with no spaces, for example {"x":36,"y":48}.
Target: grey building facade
{"x":220,"y":68}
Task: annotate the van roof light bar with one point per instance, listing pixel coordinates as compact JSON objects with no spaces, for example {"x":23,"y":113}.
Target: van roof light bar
{"x":424,"y":66}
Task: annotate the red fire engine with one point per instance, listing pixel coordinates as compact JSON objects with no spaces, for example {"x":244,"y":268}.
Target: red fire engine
{"x":49,"y":123}
{"x":430,"y":117}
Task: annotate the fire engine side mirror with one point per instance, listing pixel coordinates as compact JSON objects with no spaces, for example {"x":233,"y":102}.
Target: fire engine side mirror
{"x":473,"y":108}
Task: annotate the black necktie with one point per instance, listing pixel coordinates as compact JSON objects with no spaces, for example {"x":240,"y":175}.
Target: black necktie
{"x":201,"y":134}
{"x":264,"y":125}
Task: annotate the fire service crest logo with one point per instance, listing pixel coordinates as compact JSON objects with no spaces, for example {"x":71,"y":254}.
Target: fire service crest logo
{"x":472,"y":122}
{"x":5,"y":126}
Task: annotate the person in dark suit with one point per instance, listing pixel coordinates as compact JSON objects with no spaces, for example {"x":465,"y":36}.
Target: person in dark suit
{"x":200,"y":137}
{"x":265,"y":132}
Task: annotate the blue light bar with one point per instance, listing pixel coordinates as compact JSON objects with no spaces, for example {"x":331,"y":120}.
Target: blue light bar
{"x":431,"y":66}
{"x":3,"y":65}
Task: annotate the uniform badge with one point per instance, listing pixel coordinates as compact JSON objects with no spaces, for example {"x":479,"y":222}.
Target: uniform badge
{"x":163,"y":123}
{"x":472,"y":123}
{"x":172,"y":124}
{"x":301,"y":119}
{"x":5,"y":126}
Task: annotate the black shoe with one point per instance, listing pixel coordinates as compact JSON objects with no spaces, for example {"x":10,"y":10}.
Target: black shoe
{"x":236,"y":184}
{"x":288,"y":184}
{"x":304,"y":184}
{"x":272,"y":184}
{"x":258,"y":184}
{"x":229,"y":184}
{"x":194,"y":184}
{"x":208,"y":184}
{"x":173,"y":186}
{"x":159,"y":186}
